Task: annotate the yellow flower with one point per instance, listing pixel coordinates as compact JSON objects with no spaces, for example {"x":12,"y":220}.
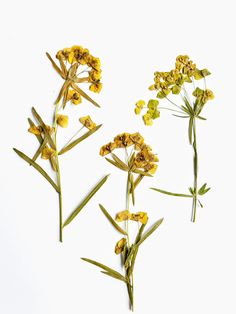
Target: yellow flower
{"x":87,"y":122}
{"x":94,"y":63}
{"x":47,"y":153}
{"x":35,"y":130}
{"x":137,"y":139}
{"x":63,"y":54}
{"x":151,"y":168}
{"x":209,"y":94}
{"x":147,"y":118}
{"x":62,"y":120}
{"x":95,"y":87}
{"x":123,"y":140}
{"x":122,"y":216}
{"x":94,"y":75}
{"x":107,"y":149}
{"x":139,"y":106}
{"x":140,"y":216}
{"x":120,"y":245}
{"x":74,"y":97}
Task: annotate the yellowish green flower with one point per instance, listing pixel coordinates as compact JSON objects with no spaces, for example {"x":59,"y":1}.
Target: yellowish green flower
{"x":139,"y":106}
{"x":122,"y":216}
{"x":119,"y":248}
{"x":140,"y":216}
{"x":87,"y":122}
{"x":47,"y":153}
{"x":147,"y":118}
{"x":62,"y":120}
{"x":74,"y":97}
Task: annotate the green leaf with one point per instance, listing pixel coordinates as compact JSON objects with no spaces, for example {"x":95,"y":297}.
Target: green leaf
{"x":142,"y":172}
{"x":115,"y":276}
{"x":201,"y":118}
{"x":38,"y":136}
{"x":180,"y":116}
{"x":131,"y":179}
{"x":40,"y":149}
{"x":120,"y":162}
{"x":112,"y":221}
{"x":106,"y":268}
{"x":43,"y":125}
{"x":64,"y":90}
{"x":203,"y":190}
{"x":149,"y":232}
{"x":170,"y":193}
{"x":38,"y":168}
{"x":138,"y":180}
{"x":78,"y":140}
{"x":83,"y":94}
{"x":187,"y":104}
{"x":85,"y":201}
{"x":114,"y":163}
{"x":58,"y":70}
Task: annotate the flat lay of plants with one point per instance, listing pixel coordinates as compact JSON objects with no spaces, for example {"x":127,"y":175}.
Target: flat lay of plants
{"x":75,"y":66}
{"x":134,"y":157}
{"x":183,"y":95}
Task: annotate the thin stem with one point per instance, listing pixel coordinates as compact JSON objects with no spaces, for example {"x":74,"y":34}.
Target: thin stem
{"x":195,"y":170}
{"x":170,"y":109}
{"x":174,"y":104}
{"x":76,"y":133}
{"x":58,"y":176}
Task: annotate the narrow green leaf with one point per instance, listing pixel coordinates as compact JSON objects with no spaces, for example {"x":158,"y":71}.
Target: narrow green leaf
{"x":106,"y":268}
{"x":40,"y":149}
{"x":202,"y":188}
{"x":58,"y":70}
{"x":180,"y":116}
{"x":83,"y":94}
{"x":170,"y":193}
{"x":37,"y":167}
{"x":114,"y":276}
{"x":38,"y":136}
{"x":114,"y":163}
{"x":63,"y":90}
{"x":186,"y":110}
{"x":85,"y":201}
{"x":120,"y":162}
{"x":78,"y":140}
{"x":112,"y":221}
{"x":190,"y":109}
{"x":131,"y":178}
{"x":149,"y":232}
{"x":43,"y":125}
{"x":138,"y":180}
{"x":142,"y":172}
{"x":201,"y":118}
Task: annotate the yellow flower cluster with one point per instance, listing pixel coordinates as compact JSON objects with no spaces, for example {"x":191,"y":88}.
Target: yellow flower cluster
{"x":185,"y":70}
{"x":152,"y":111}
{"x":202,"y":96}
{"x":143,"y":158}
{"x":126,"y":215}
{"x":81,"y":56}
{"x":62,"y":120}
{"x":120,"y":245}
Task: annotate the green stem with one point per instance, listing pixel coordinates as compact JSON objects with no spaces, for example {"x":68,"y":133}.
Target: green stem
{"x":195,"y":170}
{"x":129,"y":276}
{"x":58,"y":176}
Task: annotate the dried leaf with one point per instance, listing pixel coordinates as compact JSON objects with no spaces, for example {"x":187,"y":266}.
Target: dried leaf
{"x":190,"y":130}
{"x":131,"y":178}
{"x":39,"y":137}
{"x":120,"y":162}
{"x":58,"y":70}
{"x":142,"y":172}
{"x":112,"y":221}
{"x":106,"y":268}
{"x":170,"y":193}
{"x":149,"y":232}
{"x":37,"y":167}
{"x":115,"y":276}
{"x":85,"y":201}
{"x":63,"y":90}
{"x":40,"y":149}
{"x":83,"y":94}
{"x":43,"y":125}
{"x":78,"y":140}
{"x":114,"y":163}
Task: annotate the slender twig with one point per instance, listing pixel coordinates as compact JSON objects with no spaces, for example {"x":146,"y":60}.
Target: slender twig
{"x":195,"y":169}
{"x":174,"y":104}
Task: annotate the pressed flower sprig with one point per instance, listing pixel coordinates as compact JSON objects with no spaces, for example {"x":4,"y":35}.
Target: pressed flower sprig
{"x":47,"y":134}
{"x":175,"y":82}
{"x":139,"y":161}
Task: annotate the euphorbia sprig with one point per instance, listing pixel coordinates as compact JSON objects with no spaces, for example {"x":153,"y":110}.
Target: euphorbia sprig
{"x":175,"y":83}
{"x":47,"y":134}
{"x":139,"y":161}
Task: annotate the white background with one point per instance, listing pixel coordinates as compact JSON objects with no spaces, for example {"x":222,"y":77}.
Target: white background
{"x":184,"y":267}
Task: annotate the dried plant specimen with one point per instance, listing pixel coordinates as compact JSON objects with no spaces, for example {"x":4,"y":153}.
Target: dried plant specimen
{"x":141,"y":162}
{"x":181,"y":82}
{"x":76,"y":66}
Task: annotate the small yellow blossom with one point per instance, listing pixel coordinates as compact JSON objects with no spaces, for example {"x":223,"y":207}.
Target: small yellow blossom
{"x":147,"y":118}
{"x":47,"y":153}
{"x":123,"y":140}
{"x":87,"y":122}
{"x":107,"y":149}
{"x":74,"y":97}
{"x":140,"y":216}
{"x":35,"y":130}
{"x":96,"y":87}
{"x":139,"y":106}
{"x":122,"y":216}
{"x":95,"y":63}
{"x":94,"y":75}
{"x":120,"y":245}
{"x":62,"y":120}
